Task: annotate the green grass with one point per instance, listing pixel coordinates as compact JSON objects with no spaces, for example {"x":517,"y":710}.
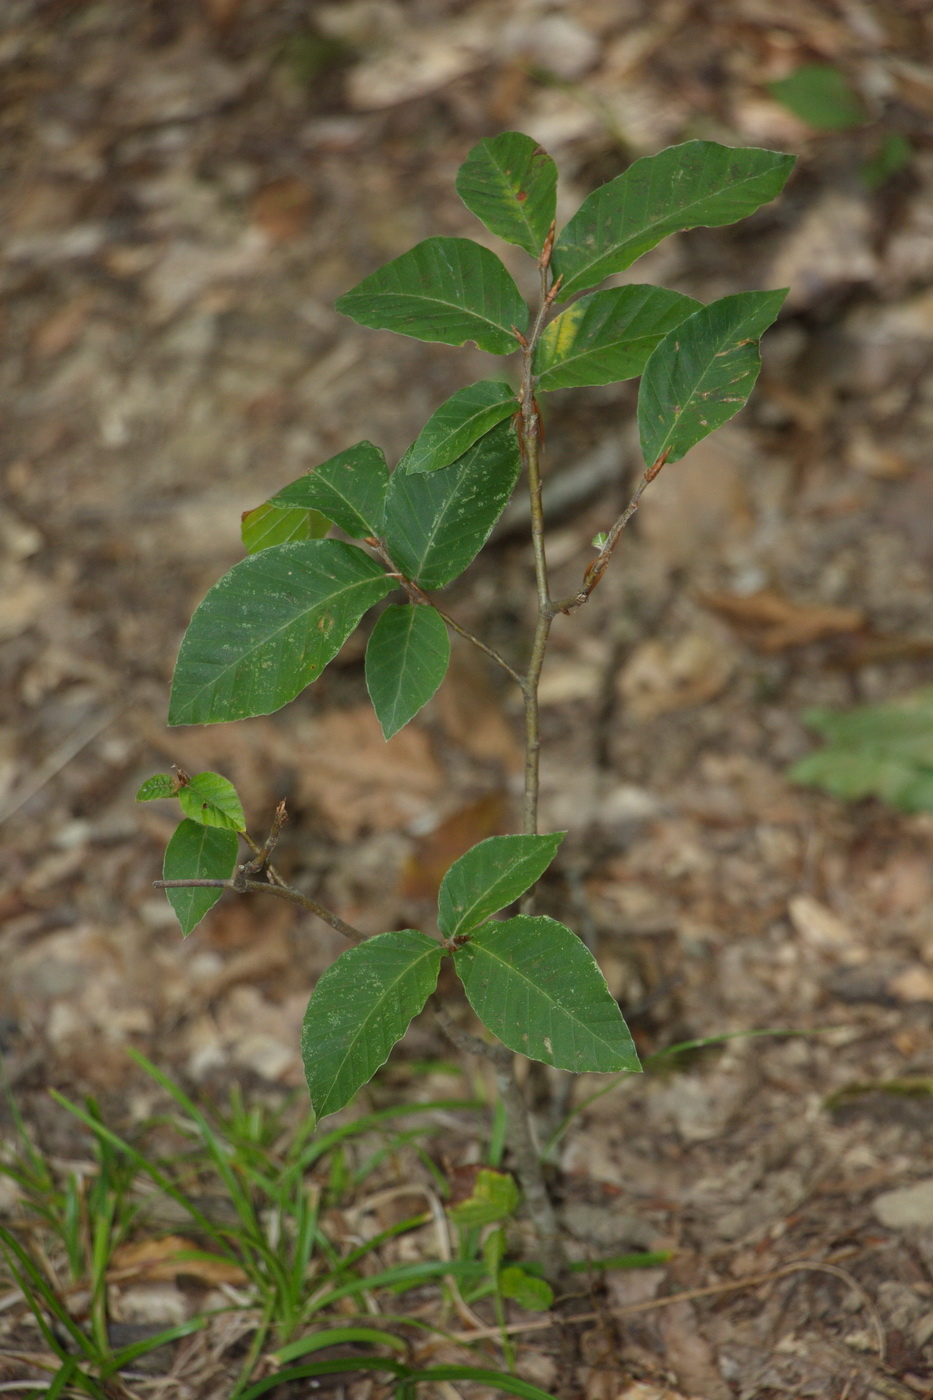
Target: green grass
{"x":299,"y":1286}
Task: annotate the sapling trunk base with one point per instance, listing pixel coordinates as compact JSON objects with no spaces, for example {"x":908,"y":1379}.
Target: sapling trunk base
{"x":272,"y":624}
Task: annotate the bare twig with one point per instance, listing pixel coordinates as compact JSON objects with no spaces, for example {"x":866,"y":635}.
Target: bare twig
{"x":418,"y":595}
{"x":525,"y":1151}
{"x":241,"y":884}
{"x":599,"y":565}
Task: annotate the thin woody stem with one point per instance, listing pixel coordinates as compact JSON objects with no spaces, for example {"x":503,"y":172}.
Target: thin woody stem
{"x":525,"y":1151}
{"x":241,"y":885}
{"x":599,"y":565}
{"x":418,"y":595}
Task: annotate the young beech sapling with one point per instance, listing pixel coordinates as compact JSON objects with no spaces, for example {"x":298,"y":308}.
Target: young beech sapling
{"x":268,"y":628}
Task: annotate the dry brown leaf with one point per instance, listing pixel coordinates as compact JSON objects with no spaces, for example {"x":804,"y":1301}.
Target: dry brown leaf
{"x":665,"y":676}
{"x":282,"y":209}
{"x":774,"y":622}
{"x":819,"y":926}
{"x":434,"y":854}
{"x":159,"y":1260}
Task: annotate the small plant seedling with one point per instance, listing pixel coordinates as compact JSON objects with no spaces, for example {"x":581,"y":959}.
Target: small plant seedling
{"x":271,"y":625}
{"x":883,"y":751}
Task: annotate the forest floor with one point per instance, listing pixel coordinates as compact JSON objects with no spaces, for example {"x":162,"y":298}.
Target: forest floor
{"x":186,"y":190}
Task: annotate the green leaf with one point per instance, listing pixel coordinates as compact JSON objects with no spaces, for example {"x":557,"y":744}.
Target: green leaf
{"x":510,"y":183}
{"x":702,"y":373}
{"x":437,"y":522}
{"x":494,"y":1197}
{"x":162,"y":785}
{"x":466,"y":416}
{"x":406,"y":660}
{"x":212,"y":800}
{"x":360,"y":1007}
{"x":197,"y":852}
{"x":269,"y":627}
{"x":894,"y":153}
{"x":446,"y":289}
{"x":697,"y":183}
{"x":820,"y":95}
{"x":491,"y":876}
{"x":883,"y":750}
{"x":269,"y":524}
{"x":539,"y":989}
{"x":607,"y":335}
{"x":349,"y":489}
{"x":525,"y":1289}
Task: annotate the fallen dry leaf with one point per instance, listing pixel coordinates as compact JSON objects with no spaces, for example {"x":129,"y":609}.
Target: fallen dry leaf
{"x":435,"y":853}
{"x":665,"y":676}
{"x":160,"y":1259}
{"x":772,"y":622}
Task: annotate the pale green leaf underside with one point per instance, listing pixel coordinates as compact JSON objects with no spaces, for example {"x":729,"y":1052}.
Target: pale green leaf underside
{"x":406,"y":660}
{"x":538,"y":988}
{"x":212,"y":800}
{"x":197,"y":852}
{"x":699,"y":183}
{"x":155,"y":788}
{"x":702,"y":373}
{"x":492,"y":875}
{"x":270,"y":524}
{"x":510,"y":183}
{"x":445,"y":289}
{"x":361,"y":1006}
{"x":437,"y":522}
{"x":465,"y":417}
{"x":607,"y":335}
{"x":349,"y":489}
{"x":269,"y":627}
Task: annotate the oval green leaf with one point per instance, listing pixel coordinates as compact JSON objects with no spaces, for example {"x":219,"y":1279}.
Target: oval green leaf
{"x":699,"y":183}
{"x":269,"y":627}
{"x":510,"y":183}
{"x":406,"y":660}
{"x":197,"y":852}
{"x":492,"y":875}
{"x":445,"y":289}
{"x":465,"y":417}
{"x":494,"y":1197}
{"x":437,"y":522}
{"x":162,"y":785}
{"x":212,"y":800}
{"x":539,"y":989}
{"x":607,"y":335}
{"x":349,"y":489}
{"x":822,"y":96}
{"x":525,"y":1289}
{"x":360,"y":1007}
{"x":702,"y":373}
{"x":269,"y":524}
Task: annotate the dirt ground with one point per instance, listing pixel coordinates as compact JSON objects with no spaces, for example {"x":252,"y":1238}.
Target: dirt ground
{"x":186,"y":189}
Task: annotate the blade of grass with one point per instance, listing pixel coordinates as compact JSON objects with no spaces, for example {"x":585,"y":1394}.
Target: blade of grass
{"x":337,"y":1336}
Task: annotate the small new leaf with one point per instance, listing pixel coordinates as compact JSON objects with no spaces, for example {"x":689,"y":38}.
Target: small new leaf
{"x":406,"y":660}
{"x":437,"y":522}
{"x":510,"y":183}
{"x":699,"y":183}
{"x":491,"y":876}
{"x":349,"y":489}
{"x":702,"y":373}
{"x":607,"y":336}
{"x":539,"y":989}
{"x":197,"y":852}
{"x":360,"y":1007}
{"x":160,"y":786}
{"x":212,"y":800}
{"x":445,"y":289}
{"x":269,"y":627}
{"x":494,"y":1197}
{"x":466,"y":417}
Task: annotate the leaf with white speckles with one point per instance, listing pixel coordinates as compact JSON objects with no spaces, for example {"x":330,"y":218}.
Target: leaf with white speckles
{"x":360,"y":1007}
{"x":702,"y":373}
{"x":539,"y":989}
{"x":437,"y":522}
{"x":269,"y":627}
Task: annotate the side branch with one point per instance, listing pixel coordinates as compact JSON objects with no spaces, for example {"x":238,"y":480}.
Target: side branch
{"x":418,"y":595}
{"x":600,"y":564}
{"x":241,"y":884}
